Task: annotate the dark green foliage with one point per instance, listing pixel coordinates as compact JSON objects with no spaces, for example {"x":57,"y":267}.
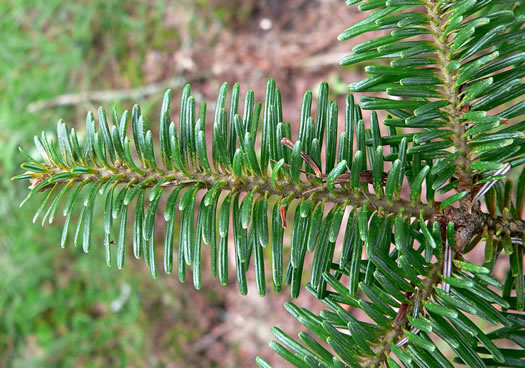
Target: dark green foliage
{"x":453,"y":129}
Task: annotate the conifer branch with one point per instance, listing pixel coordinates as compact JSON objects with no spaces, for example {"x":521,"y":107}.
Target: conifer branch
{"x":280,"y":188}
{"x":449,"y":144}
{"x":395,"y":334}
{"x":449,"y":77}
{"x":515,"y":228}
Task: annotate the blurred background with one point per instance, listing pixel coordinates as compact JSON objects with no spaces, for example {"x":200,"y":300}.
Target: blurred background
{"x":60,"y":59}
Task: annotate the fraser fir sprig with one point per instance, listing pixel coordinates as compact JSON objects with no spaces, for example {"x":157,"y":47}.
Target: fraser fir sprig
{"x":454,"y":87}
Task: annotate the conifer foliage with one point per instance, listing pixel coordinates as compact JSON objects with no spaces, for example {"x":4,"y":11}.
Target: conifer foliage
{"x":451,"y":73}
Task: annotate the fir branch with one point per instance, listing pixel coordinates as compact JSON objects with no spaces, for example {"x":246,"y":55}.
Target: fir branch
{"x":475,"y":220}
{"x":445,"y":84}
{"x":449,"y":76}
{"x":516,"y":228}
{"x":280,"y":188}
{"x":395,"y":334}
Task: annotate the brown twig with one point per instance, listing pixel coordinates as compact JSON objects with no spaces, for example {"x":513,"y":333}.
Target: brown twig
{"x":110,"y":95}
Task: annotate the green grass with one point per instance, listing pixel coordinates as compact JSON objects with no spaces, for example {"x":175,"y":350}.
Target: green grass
{"x":56,"y":305}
